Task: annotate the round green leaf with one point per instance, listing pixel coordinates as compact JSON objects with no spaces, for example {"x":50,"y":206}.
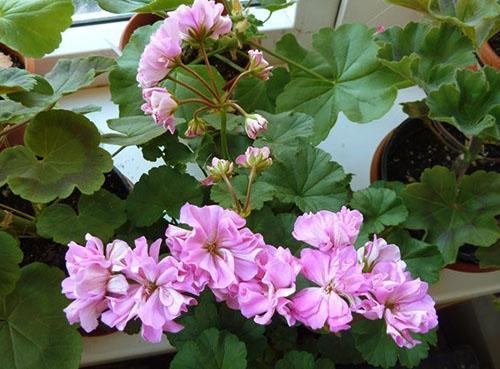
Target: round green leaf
{"x":136,"y":130}
{"x":306,"y":176}
{"x":454,"y":214}
{"x":212,"y":350}
{"x":99,"y":214}
{"x":10,"y":257}
{"x":140,"y":6}
{"x":302,"y":360}
{"x":380,"y":207}
{"x":374,"y":344}
{"x":61,"y":152}
{"x":34,"y":333}
{"x":34,"y":27}
{"x":160,"y":192}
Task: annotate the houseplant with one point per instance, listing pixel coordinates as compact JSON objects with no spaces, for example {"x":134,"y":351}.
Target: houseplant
{"x":451,"y":137}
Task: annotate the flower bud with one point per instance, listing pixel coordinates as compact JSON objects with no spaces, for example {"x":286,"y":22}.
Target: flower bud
{"x":258,"y":65}
{"x":256,"y":158}
{"x":220,"y":168}
{"x":254,"y":124}
{"x":196,"y":127}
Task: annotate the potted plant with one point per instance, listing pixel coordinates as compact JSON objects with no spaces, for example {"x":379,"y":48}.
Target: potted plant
{"x":451,"y":137}
{"x":241,"y":171}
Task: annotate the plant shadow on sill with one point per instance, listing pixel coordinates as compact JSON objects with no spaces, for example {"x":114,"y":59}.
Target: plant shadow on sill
{"x":153,"y":362}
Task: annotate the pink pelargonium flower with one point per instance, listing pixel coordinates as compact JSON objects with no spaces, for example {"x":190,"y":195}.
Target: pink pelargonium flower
{"x":218,"y":244}
{"x":326,"y":230}
{"x":158,"y":295}
{"x":338,"y":276}
{"x":254,"y":157}
{"x":258,"y":65}
{"x":161,"y":105}
{"x":92,"y":278}
{"x":269,"y":291}
{"x":160,"y":55}
{"x":203,"y":19}
{"x":254,"y":125}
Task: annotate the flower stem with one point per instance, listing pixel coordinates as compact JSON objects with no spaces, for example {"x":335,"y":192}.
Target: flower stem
{"x":223,"y":133}
{"x":291,"y":62}
{"x":6,"y":131}
{"x":251,"y":178}
{"x":229,"y":62}
{"x":200,"y":78}
{"x":197,"y":101}
{"x":239,"y":108}
{"x":190,"y":88}
{"x":236,"y":81}
{"x":233,"y":193}
{"x":18,"y":212}
{"x":209,"y":69}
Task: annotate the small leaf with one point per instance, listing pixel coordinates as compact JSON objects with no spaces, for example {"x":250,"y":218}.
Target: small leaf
{"x":61,"y":153}
{"x":140,"y":6}
{"x":136,"y":130}
{"x":34,"y":333}
{"x":99,"y":214}
{"x":275,"y":5}
{"x":410,"y":358}
{"x":339,"y":349}
{"x":374,"y":344}
{"x":212,"y":350}
{"x":86,"y":109}
{"x":380,"y":207}
{"x":302,"y":360}
{"x":13,"y":112}
{"x":454,"y":214}
{"x":423,"y":260}
{"x":34,"y":27}
{"x":489,"y":257}
{"x":307,"y":177}
{"x":162,"y":191}
{"x":168,"y":147}
{"x":10,"y":257}
{"x":15,"y":79}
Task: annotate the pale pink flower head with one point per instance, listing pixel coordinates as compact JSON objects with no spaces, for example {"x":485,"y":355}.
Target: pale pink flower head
{"x":254,"y":157}
{"x":338,"y":277}
{"x":326,"y":230}
{"x":91,"y":279}
{"x":269,"y":291}
{"x":5,"y":61}
{"x":380,"y":29}
{"x":218,"y":244}
{"x":254,"y":125}
{"x":158,"y":295}
{"x":161,"y":105}
{"x":201,"y":20}
{"x":220,"y":168}
{"x":160,"y":55}
{"x":258,"y":65}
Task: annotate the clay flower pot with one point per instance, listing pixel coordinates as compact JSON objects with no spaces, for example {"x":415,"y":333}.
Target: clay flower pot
{"x":137,"y":21}
{"x":26,"y":63}
{"x":489,"y":56}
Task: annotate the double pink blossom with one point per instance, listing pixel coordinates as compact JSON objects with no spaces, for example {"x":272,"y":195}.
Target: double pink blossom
{"x":161,"y":105}
{"x":326,"y":230}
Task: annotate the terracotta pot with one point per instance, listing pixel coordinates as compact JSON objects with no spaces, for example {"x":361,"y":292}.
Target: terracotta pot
{"x":13,"y":138}
{"x":137,"y":21}
{"x":375,"y":175}
{"x":489,"y":56}
{"x":27,"y":63}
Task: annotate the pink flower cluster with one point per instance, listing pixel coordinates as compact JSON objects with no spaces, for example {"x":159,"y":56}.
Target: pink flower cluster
{"x":219,"y":252}
{"x":202,"y":20}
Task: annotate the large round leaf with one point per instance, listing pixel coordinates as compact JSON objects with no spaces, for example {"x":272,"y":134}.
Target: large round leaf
{"x":61,"y":152}
{"x":140,"y":6}
{"x":303,"y":360}
{"x":34,"y":27}
{"x":34,"y":333}
{"x":10,"y":257}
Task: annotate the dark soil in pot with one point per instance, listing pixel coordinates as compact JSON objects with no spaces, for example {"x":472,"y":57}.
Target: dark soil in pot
{"x":495,"y":43}
{"x":412,"y":147}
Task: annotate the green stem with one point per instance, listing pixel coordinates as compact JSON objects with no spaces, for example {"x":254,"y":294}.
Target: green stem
{"x":197,"y":101}
{"x":248,"y":4}
{"x":230,"y":63}
{"x":235,"y":83}
{"x":233,"y":193}
{"x":200,"y":78}
{"x":6,"y":131}
{"x":118,"y":151}
{"x":17,"y":223}
{"x":251,"y":178}
{"x":291,"y":62}
{"x":18,"y":212}
{"x":209,"y":70}
{"x":192,"y":89}
{"x":239,"y":108}
{"x":223,"y":133}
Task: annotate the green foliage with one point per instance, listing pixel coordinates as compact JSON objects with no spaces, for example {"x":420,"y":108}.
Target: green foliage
{"x":99,"y":214}
{"x":10,"y":257}
{"x":341,"y":350}
{"x":422,"y":259}
{"x":60,"y":153}
{"x":472,"y":103}
{"x":303,"y":360}
{"x":425,"y":54}
{"x":34,"y":27}
{"x":274,"y":5}
{"x":452,"y":213}
{"x":346,"y":76}
{"x":122,"y":80}
{"x":212,"y":349}
{"x":15,"y":79}
{"x":380,"y":207}
{"x":34,"y":333}
{"x":136,"y":130}
{"x":489,"y":257}
{"x":140,"y":6}
{"x":162,"y":191}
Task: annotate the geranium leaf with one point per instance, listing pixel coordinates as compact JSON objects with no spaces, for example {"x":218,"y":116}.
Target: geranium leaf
{"x":454,"y":214}
{"x":10,"y":257}
{"x":212,"y":349}
{"x":423,"y":260}
{"x":99,"y":214}
{"x":125,"y":91}
{"x":418,"y":53}
{"x":472,"y":104}
{"x":374,"y":344}
{"x":40,"y":22}
{"x":380,"y":207}
{"x":34,"y":333}
{"x":302,"y":360}
{"x":15,"y":79}
{"x":275,"y":5}
{"x":161,"y":191}
{"x":60,"y":153}
{"x":347,"y":77}
{"x":285,"y":130}
{"x":253,"y":93}
{"x":133,"y":131}
{"x":307,"y":177}
{"x":420,"y":5}
{"x":13,"y":112}
{"x":339,"y":349}
{"x":489,"y":257}
{"x":140,"y":6}
{"x":261,"y":192}
{"x":410,"y":358}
